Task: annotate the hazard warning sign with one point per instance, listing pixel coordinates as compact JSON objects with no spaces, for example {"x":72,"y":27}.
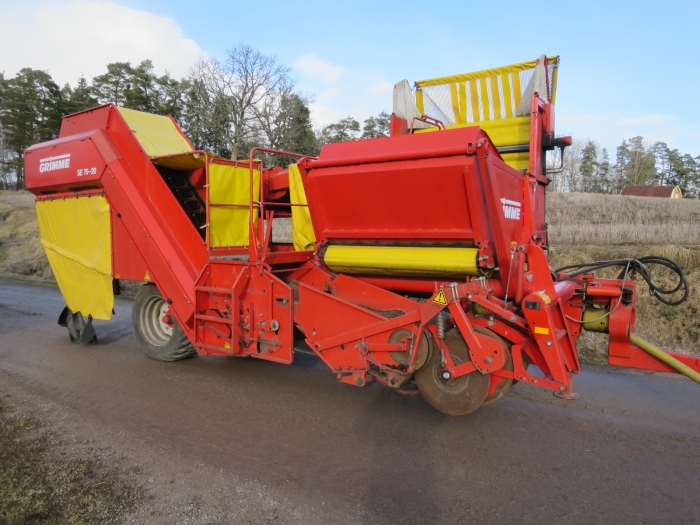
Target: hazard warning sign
{"x":440,"y":298}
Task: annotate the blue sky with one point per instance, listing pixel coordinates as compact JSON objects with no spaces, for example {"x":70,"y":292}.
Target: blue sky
{"x":628,"y":68}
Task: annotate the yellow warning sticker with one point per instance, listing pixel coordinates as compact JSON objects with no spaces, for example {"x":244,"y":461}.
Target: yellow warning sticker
{"x":147,"y":277}
{"x":440,"y":298}
{"x":227,"y":345}
{"x":541,"y":330}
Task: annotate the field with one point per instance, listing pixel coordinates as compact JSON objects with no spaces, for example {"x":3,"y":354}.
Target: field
{"x":582,"y":227}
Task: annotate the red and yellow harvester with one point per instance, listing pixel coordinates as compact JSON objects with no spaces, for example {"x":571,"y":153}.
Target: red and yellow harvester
{"x":416,"y":260}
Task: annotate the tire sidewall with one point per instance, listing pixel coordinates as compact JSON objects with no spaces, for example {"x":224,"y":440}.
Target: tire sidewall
{"x":172,"y":349}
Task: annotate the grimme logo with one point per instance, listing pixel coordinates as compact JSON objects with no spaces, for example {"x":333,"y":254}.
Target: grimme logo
{"x":54,"y":163}
{"x":511,"y":209}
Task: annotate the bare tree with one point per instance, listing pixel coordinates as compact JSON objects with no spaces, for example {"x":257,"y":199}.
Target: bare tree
{"x":566,"y":177}
{"x":236,"y":93}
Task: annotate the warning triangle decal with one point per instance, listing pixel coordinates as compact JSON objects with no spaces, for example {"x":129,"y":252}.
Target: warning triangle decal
{"x":440,"y":298}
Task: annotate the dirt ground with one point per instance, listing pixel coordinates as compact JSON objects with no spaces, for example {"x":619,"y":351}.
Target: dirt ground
{"x":218,"y":440}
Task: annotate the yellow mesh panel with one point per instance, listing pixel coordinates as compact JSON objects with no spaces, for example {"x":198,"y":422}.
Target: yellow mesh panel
{"x":75,"y":234}
{"x":444,"y":98}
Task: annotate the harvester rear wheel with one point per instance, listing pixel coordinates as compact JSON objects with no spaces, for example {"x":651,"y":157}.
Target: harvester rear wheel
{"x":156,"y":330}
{"x":458,"y":396}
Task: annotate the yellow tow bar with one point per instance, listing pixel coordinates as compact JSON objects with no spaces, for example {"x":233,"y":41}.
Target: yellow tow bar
{"x":663,"y":356}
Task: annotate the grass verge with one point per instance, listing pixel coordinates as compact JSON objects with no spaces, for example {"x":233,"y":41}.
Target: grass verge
{"x":46,"y":479}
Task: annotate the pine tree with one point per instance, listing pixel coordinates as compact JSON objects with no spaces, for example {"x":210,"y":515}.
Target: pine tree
{"x":589,"y":167}
{"x":31,"y":107}
{"x":376,"y":126}
{"x":344,"y":130}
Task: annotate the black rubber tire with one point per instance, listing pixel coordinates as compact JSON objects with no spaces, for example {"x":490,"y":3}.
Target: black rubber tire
{"x":154,"y":342}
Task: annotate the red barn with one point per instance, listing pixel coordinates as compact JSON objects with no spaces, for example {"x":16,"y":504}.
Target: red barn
{"x":655,"y":190}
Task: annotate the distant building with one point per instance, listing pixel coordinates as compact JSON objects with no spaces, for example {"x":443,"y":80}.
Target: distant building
{"x":655,"y":190}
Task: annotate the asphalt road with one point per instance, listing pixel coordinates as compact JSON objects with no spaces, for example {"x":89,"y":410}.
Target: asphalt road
{"x":317,"y":451}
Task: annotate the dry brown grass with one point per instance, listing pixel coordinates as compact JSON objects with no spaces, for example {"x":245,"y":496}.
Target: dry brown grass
{"x":20,"y":250}
{"x":45,"y":478}
{"x":673,"y":328}
{"x":587,"y":218}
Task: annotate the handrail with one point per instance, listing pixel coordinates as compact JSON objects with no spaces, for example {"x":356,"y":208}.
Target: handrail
{"x":251,"y":161}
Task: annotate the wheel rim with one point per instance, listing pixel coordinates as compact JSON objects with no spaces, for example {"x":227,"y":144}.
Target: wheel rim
{"x":156,"y":330}
{"x":457,"y":396}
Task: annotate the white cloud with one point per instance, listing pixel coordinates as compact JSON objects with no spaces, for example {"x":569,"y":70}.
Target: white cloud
{"x":340,"y":91}
{"x":318,"y":69}
{"x":81,"y":37}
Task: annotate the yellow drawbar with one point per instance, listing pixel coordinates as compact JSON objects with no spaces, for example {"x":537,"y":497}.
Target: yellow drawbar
{"x":402,"y":261}
{"x":75,"y":234}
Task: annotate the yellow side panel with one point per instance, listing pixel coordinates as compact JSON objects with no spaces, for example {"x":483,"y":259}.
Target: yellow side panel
{"x":503,"y":132}
{"x":75,"y":234}
{"x":518,"y":161}
{"x":508,"y":131}
{"x":303,"y":235}
{"x":157,"y":135}
{"x":399,"y":260}
{"x":228,"y":225}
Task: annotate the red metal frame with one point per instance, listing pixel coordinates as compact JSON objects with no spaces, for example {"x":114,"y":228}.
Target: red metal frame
{"x":449,"y":188}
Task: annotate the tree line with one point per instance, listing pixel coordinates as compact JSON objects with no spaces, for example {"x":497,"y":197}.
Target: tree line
{"x":225,"y":107}
{"x":249,"y":99}
{"x":588,"y":168}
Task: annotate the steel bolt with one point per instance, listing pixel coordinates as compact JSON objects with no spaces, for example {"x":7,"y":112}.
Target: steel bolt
{"x":445,"y":375}
{"x":562,"y":388}
{"x":490,"y":323}
{"x":549,"y":343}
{"x":512,"y":319}
{"x":488,"y":360}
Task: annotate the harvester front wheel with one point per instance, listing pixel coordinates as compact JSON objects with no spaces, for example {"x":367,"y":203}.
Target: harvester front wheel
{"x":457,"y":396}
{"x":156,"y":330}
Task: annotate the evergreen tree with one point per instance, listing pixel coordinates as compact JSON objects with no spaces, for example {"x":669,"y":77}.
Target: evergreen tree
{"x":376,"y":126}
{"x":635,"y":162}
{"x":589,"y":167}
{"x":31,"y":106}
{"x":344,"y":130}
{"x":290,"y":129}
{"x":77,"y":99}
{"x":113,"y":86}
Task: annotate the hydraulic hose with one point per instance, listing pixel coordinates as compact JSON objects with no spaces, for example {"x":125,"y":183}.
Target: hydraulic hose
{"x":663,"y":356}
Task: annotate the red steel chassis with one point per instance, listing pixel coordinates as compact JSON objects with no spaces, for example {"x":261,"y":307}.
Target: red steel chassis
{"x":446,"y":188}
